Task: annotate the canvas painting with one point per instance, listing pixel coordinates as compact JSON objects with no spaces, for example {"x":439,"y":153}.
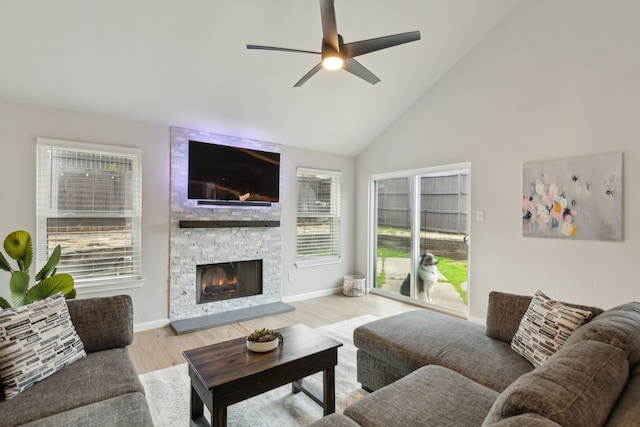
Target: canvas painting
{"x":577,"y":198}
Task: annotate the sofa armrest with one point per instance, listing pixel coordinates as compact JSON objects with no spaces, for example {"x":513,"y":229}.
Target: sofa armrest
{"x":103,"y":323}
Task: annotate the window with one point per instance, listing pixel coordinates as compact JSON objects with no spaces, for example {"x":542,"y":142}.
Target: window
{"x":318,"y":229}
{"x":89,"y":201}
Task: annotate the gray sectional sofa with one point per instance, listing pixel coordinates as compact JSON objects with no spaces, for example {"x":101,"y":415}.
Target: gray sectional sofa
{"x":101,"y":389}
{"x":426,"y":368}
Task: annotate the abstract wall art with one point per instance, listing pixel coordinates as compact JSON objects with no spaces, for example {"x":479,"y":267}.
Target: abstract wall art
{"x":577,"y":198}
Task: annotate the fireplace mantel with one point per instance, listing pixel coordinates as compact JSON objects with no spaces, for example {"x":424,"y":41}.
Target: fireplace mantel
{"x":226,"y":224}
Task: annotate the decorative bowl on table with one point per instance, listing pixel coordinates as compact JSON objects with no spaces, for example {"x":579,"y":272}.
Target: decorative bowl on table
{"x":264,"y":340}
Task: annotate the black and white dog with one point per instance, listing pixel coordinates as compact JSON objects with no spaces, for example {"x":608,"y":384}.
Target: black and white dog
{"x":427,"y":278}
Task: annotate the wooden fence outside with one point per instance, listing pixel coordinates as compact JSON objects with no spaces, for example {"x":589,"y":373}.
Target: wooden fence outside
{"x":444,"y":203}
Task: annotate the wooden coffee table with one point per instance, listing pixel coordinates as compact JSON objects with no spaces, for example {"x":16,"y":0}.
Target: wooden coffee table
{"x":226,"y":373}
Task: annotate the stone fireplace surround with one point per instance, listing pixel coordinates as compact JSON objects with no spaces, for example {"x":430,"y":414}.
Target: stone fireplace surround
{"x":240,"y":233}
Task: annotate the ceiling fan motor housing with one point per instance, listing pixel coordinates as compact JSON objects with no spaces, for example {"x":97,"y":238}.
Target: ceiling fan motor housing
{"x":332,"y":59}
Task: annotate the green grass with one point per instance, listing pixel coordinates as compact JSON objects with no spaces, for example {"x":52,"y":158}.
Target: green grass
{"x":392,"y":253}
{"x":382,"y":277}
{"x":383,"y":254}
{"x":455,"y":271}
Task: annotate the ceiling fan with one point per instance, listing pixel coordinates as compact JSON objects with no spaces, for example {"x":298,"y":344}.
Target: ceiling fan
{"x":336,"y":54}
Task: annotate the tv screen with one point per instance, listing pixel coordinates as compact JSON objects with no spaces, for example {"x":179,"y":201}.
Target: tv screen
{"x":225,"y":173}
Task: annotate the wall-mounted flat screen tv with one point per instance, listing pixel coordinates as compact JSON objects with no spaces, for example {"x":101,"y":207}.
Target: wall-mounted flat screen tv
{"x":221,"y":173}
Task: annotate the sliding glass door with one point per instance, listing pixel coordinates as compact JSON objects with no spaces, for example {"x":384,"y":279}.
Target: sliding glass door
{"x":420,"y":234}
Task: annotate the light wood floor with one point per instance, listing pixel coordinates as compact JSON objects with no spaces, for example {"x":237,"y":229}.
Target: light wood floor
{"x":162,"y":348}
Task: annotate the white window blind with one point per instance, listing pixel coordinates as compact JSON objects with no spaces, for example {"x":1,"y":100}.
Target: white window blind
{"x":319,"y":215}
{"x":89,"y":201}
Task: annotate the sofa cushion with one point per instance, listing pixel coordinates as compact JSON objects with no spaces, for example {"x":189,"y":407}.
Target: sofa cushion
{"x":99,"y":376}
{"x":577,"y":386}
{"x":36,"y":341}
{"x":417,"y":338}
{"x":545,"y":327}
{"x":627,"y":410}
{"x":619,"y":326}
{"x":126,"y":410}
{"x":505,"y":311}
{"x":430,"y":396}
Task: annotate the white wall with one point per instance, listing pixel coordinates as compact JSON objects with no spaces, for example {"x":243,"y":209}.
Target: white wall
{"x":554,"y":80}
{"x":21,"y":124}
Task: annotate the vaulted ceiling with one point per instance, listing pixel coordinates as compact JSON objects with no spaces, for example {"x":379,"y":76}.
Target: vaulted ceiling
{"x":185,"y":63}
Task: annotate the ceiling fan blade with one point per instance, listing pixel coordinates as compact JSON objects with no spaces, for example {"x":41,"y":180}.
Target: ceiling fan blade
{"x":307,"y":76}
{"x":281,"y":49}
{"x":329,"y":26}
{"x":357,"y":69}
{"x":354,"y":49}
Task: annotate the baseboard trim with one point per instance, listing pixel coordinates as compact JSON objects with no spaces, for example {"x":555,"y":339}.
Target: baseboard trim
{"x":140,"y":327}
{"x":478,"y":320}
{"x":310,"y":295}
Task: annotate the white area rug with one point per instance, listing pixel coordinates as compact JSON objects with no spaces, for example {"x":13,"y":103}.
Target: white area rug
{"x":168,"y":391}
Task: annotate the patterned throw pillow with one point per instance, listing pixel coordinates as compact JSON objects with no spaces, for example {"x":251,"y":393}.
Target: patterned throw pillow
{"x":545,"y":327}
{"x":36,"y":341}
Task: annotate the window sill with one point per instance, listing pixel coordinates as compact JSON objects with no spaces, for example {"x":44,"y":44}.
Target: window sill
{"x":109,"y":286}
{"x":304,"y":263}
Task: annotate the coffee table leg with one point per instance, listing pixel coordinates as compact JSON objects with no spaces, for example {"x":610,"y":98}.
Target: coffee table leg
{"x":219,"y":417}
{"x":329,"y":379}
{"x":197,"y":410}
{"x":328,"y":398}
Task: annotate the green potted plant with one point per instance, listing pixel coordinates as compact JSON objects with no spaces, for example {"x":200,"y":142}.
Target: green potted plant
{"x":263,"y":340}
{"x":18,"y":246}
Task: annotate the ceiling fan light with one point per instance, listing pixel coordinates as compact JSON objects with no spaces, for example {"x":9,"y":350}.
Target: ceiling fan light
{"x":332,"y":62}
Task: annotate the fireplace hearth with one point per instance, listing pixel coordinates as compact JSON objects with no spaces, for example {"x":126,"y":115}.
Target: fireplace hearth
{"x":228,"y":280}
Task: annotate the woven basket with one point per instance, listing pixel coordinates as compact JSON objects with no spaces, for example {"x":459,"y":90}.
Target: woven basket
{"x":354,"y":285}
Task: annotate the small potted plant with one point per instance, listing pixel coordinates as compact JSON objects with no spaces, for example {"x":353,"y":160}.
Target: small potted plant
{"x":263,"y":340}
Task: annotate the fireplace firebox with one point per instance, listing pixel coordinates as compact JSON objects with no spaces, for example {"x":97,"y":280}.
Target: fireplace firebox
{"x":228,"y":280}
